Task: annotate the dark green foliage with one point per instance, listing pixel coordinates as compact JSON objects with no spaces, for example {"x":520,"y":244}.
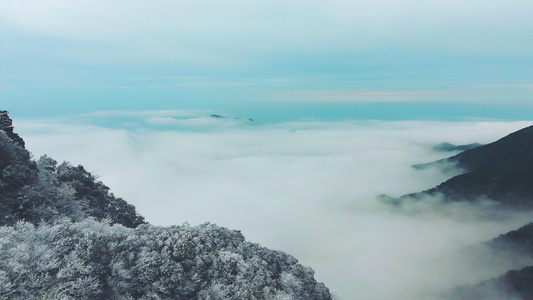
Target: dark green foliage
{"x":48,"y":192}
{"x":43,"y":191}
{"x":17,"y":171}
{"x":519,"y":282}
{"x":513,"y":285}
{"x":93,"y":260}
{"x":97,"y":201}
{"x":512,"y":189}
{"x":519,"y":241}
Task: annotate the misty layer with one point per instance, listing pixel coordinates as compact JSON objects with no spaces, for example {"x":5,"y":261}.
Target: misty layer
{"x":496,"y":178}
{"x":307,"y":188}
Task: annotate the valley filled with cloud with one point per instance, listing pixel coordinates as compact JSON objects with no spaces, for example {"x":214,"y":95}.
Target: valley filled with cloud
{"x":306,"y":187}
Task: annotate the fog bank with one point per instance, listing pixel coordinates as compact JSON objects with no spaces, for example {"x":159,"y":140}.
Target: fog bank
{"x":308,"y":188}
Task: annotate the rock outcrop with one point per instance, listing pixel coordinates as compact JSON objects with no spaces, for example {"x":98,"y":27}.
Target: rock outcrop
{"x":6,"y":125}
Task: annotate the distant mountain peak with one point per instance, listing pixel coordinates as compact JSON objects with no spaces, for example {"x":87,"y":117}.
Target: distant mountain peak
{"x":215,"y":116}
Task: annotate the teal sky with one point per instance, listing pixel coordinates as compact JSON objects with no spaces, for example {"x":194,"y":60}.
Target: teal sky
{"x":269,"y":60}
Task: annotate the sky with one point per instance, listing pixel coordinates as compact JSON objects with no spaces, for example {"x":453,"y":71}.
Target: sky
{"x":269,"y":60}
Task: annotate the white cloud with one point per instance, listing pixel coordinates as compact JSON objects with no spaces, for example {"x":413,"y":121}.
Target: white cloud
{"x":307,"y":188}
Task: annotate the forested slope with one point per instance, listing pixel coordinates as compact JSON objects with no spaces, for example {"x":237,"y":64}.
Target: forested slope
{"x":501,"y":171}
{"x":42,"y":190}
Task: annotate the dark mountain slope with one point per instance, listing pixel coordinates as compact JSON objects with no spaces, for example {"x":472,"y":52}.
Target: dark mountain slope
{"x":519,"y":241}
{"x":17,"y":171}
{"x":515,"y":151}
{"x":501,"y":171}
{"x":513,"y":285}
{"x":35,"y":191}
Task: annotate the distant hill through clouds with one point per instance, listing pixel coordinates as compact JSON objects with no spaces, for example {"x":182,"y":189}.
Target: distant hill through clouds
{"x":502,"y":172}
{"x":447,"y":147}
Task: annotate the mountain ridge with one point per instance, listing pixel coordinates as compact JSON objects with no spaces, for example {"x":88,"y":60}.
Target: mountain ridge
{"x":501,"y":171}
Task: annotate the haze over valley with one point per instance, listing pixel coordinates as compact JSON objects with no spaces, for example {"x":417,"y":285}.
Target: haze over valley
{"x":308,"y":188}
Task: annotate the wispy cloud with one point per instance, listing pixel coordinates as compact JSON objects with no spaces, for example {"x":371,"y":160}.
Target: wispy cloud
{"x":182,"y":53}
{"x":272,"y":25}
{"x":343,"y":96}
{"x":506,"y":86}
{"x":146,"y":113}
